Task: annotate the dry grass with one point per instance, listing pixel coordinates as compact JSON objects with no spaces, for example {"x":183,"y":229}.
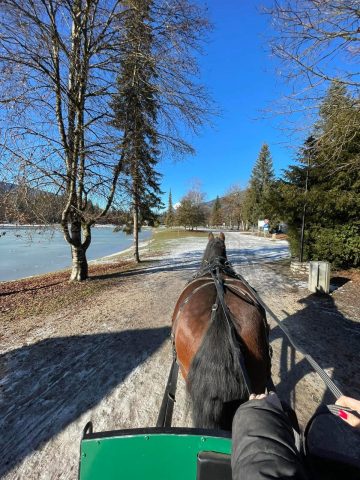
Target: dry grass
{"x":45,"y":294}
{"x":159,"y":244}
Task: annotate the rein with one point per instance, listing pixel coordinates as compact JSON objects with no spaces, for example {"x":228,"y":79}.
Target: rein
{"x":329,"y":383}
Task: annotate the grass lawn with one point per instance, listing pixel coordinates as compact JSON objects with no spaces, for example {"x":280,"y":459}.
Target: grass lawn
{"x":163,"y":237}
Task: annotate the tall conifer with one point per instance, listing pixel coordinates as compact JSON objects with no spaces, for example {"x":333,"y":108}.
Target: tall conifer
{"x":216,"y":214}
{"x":329,"y":164}
{"x":257,"y":201}
{"x":135,"y":109}
{"x":170,"y":217}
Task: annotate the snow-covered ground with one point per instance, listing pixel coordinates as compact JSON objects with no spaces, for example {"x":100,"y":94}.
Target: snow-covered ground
{"x":243,"y":250}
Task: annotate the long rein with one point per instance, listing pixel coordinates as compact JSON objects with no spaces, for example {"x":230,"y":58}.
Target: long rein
{"x":221,"y":263}
{"x":329,"y":383}
{"x":166,"y":410}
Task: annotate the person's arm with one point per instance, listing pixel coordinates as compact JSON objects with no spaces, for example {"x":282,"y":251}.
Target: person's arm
{"x":263,"y":443}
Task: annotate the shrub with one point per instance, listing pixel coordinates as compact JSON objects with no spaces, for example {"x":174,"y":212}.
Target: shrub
{"x":339,"y":245}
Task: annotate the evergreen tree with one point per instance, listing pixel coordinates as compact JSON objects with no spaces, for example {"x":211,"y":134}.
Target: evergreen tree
{"x":170,"y":216}
{"x":338,"y":131}
{"x":258,"y":196}
{"x":135,"y":109}
{"x":156,"y":91}
{"x":328,"y":163}
{"x":216,"y":214}
{"x":293,"y":200}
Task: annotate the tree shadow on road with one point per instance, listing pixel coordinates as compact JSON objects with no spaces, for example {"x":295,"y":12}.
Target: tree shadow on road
{"x":259,"y":254}
{"x":184,"y":262}
{"x":47,"y":385}
{"x":333,"y":340}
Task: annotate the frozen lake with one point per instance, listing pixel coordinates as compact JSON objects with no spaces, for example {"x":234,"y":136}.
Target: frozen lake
{"x":29,"y":251}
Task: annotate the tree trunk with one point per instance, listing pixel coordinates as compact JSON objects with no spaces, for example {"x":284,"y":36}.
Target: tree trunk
{"x":79,"y":270}
{"x":136,"y":234}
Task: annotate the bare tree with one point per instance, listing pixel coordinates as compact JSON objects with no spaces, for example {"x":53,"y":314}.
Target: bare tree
{"x":191,"y":211}
{"x":233,"y":205}
{"x":317,"y":43}
{"x":58,"y":61}
{"x":318,"y":40}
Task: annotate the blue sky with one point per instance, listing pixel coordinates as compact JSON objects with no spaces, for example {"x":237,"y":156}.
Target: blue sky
{"x":240,"y":74}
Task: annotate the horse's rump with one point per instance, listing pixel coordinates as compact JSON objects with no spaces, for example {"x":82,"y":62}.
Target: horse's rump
{"x":209,"y":348}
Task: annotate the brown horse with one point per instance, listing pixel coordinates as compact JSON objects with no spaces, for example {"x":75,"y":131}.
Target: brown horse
{"x":220,"y":334}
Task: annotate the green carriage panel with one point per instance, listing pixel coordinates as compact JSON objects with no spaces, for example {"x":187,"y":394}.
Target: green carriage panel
{"x":151,"y":454}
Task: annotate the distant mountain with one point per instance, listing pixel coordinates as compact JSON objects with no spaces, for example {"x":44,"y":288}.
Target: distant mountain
{"x":210,"y":203}
{"x":6,"y":187}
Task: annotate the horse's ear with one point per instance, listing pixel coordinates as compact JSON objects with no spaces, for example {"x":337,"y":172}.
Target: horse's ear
{"x":211,"y":236}
{"x":222,"y":236}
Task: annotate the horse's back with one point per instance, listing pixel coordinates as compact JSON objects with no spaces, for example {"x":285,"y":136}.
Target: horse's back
{"x":191,"y":319}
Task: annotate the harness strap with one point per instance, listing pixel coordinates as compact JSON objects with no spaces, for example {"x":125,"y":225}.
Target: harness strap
{"x":186,"y":301}
{"x":323,"y":375}
{"x":241,"y":294}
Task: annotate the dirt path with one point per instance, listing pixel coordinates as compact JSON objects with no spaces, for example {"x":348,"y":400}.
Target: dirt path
{"x":108,"y":360}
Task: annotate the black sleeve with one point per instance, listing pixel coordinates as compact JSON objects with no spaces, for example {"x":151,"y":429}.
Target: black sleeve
{"x":263,"y":444}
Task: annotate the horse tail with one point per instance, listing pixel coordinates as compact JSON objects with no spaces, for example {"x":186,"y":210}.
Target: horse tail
{"x":216,"y":382}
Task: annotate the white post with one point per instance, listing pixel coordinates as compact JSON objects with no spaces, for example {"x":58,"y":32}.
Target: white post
{"x":319,"y":277}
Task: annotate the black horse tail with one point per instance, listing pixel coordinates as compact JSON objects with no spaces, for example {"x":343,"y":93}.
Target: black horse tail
{"x":216,"y":382}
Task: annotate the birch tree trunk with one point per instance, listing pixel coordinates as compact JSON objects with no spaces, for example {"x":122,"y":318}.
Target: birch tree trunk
{"x":79,"y":271}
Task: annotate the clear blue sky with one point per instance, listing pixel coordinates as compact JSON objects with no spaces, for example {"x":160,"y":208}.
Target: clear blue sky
{"x":240,"y":74}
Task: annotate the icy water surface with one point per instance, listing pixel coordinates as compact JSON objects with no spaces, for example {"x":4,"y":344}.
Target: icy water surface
{"x":25,"y":252}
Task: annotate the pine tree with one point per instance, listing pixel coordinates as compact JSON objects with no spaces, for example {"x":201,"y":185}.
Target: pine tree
{"x":258,"y":196}
{"x":338,"y":130}
{"x":170,"y":217}
{"x":135,"y":109}
{"x":216,"y":214}
{"x":294,"y":198}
